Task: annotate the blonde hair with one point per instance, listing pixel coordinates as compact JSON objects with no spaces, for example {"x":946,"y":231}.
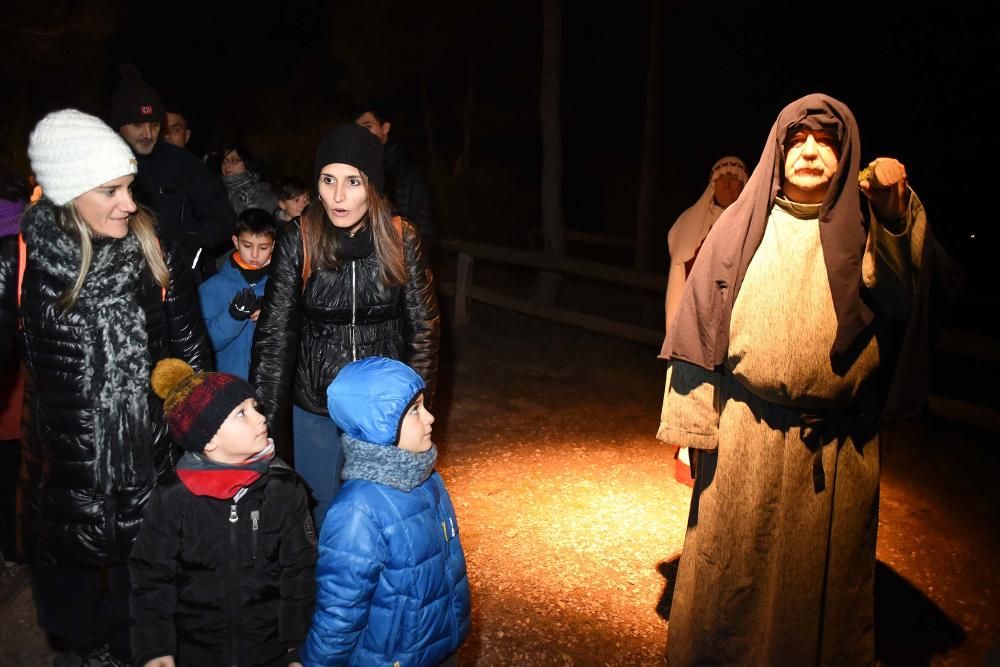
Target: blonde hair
{"x":387,"y":238}
{"x":141,"y":223}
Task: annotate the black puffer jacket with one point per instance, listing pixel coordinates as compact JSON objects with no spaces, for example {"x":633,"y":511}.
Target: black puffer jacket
{"x":303,"y":339}
{"x":67,"y":520}
{"x":211,"y":589}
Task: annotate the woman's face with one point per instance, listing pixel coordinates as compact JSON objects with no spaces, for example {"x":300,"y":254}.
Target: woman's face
{"x":106,"y":209}
{"x":343,"y":193}
{"x":232,"y":163}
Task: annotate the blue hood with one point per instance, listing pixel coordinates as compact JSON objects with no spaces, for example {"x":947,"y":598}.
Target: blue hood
{"x":369,"y":398}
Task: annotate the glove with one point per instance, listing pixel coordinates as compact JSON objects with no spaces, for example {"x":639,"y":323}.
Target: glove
{"x":243,"y":304}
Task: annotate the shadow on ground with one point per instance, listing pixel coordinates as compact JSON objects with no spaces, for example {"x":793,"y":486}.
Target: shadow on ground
{"x":909,"y":628}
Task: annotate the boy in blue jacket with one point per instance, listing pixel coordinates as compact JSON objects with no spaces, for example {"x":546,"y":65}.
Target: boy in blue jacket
{"x":391,"y":581}
{"x":230,"y":300}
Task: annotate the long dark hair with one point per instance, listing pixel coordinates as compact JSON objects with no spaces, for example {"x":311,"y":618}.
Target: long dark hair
{"x":324,"y":246}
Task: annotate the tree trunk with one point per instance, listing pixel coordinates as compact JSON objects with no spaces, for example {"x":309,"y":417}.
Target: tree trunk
{"x":463,"y":160}
{"x":553,"y":231}
{"x":650,"y":138}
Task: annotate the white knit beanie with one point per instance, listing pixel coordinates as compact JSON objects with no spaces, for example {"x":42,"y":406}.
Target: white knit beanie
{"x":72,"y":152}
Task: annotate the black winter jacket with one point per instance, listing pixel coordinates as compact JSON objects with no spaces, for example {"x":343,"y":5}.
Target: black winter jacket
{"x":221,"y":583}
{"x":67,"y":520}
{"x":303,"y":339}
{"x":192,"y":208}
{"x":407,"y":189}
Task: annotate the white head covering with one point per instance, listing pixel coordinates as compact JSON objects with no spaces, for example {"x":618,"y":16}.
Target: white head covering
{"x":691,"y":228}
{"x":72,"y":152}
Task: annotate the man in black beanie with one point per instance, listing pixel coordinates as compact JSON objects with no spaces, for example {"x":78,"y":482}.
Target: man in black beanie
{"x":191,"y":207}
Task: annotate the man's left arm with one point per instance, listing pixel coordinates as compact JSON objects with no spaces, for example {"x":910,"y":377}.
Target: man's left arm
{"x":891,"y":262}
{"x":214,"y":217}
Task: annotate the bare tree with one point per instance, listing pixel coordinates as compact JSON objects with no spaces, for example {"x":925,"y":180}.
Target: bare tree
{"x":553,"y":229}
{"x":650,"y":138}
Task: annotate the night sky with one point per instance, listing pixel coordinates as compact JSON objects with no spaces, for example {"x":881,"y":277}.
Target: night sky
{"x":921,"y":83}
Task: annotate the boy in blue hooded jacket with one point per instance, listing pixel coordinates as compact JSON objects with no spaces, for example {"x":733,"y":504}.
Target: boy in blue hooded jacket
{"x":392,"y":586}
{"x":230,"y":300}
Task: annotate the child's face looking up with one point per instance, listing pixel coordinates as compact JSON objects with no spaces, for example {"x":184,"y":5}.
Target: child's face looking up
{"x":243,"y":434}
{"x":415,"y":433}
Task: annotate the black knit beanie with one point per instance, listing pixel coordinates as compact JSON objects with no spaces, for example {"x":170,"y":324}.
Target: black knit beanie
{"x":354,"y":145}
{"x":134,"y":101}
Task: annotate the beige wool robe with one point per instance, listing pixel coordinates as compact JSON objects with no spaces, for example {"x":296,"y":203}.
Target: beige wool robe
{"x":778,"y":560}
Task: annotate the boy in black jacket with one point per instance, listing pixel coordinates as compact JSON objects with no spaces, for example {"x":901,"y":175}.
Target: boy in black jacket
{"x":223,"y":568}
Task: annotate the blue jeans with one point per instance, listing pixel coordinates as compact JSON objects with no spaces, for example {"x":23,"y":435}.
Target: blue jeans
{"x":319,"y":457}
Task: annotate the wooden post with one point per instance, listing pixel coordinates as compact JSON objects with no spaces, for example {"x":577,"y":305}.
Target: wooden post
{"x":463,"y":285}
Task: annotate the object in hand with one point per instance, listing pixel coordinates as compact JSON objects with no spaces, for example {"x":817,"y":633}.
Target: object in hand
{"x":243,"y":304}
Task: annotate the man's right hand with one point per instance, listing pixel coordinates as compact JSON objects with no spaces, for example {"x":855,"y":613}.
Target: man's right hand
{"x":163,"y":661}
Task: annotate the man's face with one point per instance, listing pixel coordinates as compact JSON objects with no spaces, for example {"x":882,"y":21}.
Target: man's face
{"x":810,"y":162}
{"x":727,"y":189}
{"x":140,"y":136}
{"x":255,"y":249}
{"x":175,"y":130}
{"x":368,"y":121}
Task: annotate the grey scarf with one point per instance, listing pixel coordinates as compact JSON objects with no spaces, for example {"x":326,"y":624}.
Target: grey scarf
{"x":387,"y":465}
{"x":116,"y":357}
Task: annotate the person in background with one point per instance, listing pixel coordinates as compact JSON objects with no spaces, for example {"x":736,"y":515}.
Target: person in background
{"x":725,"y":182}
{"x":13,"y":576}
{"x":190,"y":205}
{"x":405,"y":185}
{"x":293,"y":197}
{"x":175,"y":129}
{"x":241,"y":176}
{"x":230,"y":298}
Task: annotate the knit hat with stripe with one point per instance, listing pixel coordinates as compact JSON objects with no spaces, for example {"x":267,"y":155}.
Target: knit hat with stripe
{"x":196,"y":404}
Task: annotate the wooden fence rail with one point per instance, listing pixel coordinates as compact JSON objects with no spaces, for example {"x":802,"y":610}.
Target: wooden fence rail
{"x":952,"y":343}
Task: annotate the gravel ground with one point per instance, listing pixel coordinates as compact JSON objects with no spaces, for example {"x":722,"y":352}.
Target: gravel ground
{"x":572,"y":523}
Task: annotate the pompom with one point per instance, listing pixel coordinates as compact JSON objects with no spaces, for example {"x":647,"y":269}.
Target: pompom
{"x":168,"y":374}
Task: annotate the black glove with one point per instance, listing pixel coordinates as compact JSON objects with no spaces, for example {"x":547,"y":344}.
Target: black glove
{"x":243,"y":304}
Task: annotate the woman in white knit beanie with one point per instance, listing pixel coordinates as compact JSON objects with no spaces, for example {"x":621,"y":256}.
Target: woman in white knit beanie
{"x":98,"y":301}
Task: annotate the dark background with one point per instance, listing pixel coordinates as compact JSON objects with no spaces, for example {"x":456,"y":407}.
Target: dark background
{"x":922,"y":83}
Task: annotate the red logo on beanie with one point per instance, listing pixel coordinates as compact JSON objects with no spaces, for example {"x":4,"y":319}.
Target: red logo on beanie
{"x":146,"y":110}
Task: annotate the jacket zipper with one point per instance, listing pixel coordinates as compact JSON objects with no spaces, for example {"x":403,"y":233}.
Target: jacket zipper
{"x":255,"y":524}
{"x":233,"y":598}
{"x":354,"y":310}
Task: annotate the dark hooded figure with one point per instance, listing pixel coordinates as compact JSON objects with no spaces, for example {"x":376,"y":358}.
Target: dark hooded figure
{"x":805,"y":320}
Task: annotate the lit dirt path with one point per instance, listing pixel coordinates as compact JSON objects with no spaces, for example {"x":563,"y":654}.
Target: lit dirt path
{"x":572,"y":523}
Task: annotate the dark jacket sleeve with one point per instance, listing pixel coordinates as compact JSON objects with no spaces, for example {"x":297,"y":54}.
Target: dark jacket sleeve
{"x":153,"y":568}
{"x":422,"y":325}
{"x":8,"y":296}
{"x":276,"y":340}
{"x":297,"y":559}
{"x":188,"y":337}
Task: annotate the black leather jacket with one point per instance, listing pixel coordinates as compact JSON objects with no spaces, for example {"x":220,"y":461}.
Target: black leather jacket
{"x":304,"y":338}
{"x":68,"y":520}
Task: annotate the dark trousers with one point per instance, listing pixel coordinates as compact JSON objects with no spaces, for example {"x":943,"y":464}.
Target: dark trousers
{"x":83,"y":608}
{"x":10,"y":463}
{"x":319,"y":457}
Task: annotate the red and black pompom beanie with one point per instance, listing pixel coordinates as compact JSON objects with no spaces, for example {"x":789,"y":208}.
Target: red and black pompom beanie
{"x":196,"y":404}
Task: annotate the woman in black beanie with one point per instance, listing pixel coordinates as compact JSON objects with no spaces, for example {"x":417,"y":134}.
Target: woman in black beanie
{"x":347,"y":281}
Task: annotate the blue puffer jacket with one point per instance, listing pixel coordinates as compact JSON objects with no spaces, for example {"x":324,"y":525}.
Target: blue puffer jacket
{"x":231,"y":339}
{"x":392,"y":586}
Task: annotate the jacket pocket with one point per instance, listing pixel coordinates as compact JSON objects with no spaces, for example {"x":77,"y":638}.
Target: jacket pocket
{"x":396,"y":629}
